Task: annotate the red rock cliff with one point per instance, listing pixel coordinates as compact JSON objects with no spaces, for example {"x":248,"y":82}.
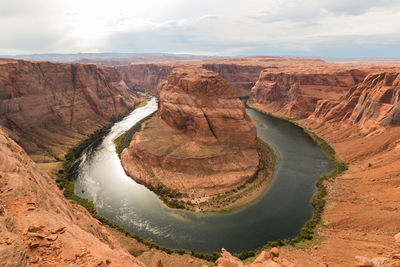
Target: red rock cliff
{"x":145,"y":77}
{"x":296,"y":93}
{"x":201,"y":141}
{"x":203,"y":106}
{"x":47,"y":106}
{"x":240,"y":77}
{"x":373,"y":104}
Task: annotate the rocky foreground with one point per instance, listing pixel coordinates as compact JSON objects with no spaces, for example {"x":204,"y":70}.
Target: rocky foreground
{"x":39,"y":227}
{"x":200,"y":143}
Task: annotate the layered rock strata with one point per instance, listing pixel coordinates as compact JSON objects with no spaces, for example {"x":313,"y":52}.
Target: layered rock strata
{"x":149,"y":78}
{"x":240,"y":77}
{"x":296,"y":93}
{"x":48,"y":107}
{"x":201,"y":142}
{"x":372,"y":104}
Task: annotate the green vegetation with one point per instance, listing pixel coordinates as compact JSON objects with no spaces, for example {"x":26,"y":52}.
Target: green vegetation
{"x":123,"y":141}
{"x":265,"y":165}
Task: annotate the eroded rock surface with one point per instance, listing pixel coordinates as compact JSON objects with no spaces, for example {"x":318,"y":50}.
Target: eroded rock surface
{"x":145,"y":77}
{"x":38,"y":227}
{"x":296,"y":93}
{"x":240,"y":77}
{"x":372,"y":104}
{"x":201,"y":142}
{"x":48,"y":107}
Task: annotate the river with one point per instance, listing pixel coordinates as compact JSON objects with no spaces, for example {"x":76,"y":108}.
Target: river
{"x":278,"y":213}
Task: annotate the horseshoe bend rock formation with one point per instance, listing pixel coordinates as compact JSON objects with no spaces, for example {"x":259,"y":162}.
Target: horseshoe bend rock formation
{"x":373,"y":104}
{"x":39,"y":227}
{"x":200,"y":142}
{"x":48,"y":107}
{"x":296,"y":92}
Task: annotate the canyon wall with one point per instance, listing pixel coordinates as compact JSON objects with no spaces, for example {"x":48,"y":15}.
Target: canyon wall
{"x":149,"y":78}
{"x":152,"y":77}
{"x":201,"y":142}
{"x":48,"y":107}
{"x":240,"y":77}
{"x":39,"y":227}
{"x":372,"y":104}
{"x":296,"y":93}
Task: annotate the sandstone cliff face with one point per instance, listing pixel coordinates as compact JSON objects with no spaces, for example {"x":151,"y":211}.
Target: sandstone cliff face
{"x":47,"y":107}
{"x":201,"y":142}
{"x":296,"y":93}
{"x":38,"y":227}
{"x":373,"y":104}
{"x":240,"y":77}
{"x":204,"y":106}
{"x":145,"y":77}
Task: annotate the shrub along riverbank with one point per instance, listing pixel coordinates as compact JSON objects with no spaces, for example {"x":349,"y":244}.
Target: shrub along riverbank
{"x":123,"y":141}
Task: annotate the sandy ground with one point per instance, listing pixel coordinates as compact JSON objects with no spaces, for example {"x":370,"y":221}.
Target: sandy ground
{"x":362,"y":212}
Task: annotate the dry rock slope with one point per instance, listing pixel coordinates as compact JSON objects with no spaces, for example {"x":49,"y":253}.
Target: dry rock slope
{"x":38,"y":227}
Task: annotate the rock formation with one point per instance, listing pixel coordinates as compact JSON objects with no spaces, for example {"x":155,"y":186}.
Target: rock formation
{"x":47,"y":107}
{"x":372,"y":104}
{"x":273,"y":258}
{"x":145,"y":77}
{"x":201,"y":142}
{"x":38,"y":227}
{"x":296,"y":93}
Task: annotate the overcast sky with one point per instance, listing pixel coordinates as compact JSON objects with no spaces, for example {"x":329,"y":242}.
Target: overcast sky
{"x":324,"y":28}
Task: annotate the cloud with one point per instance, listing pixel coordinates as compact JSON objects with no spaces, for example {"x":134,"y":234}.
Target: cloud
{"x":355,"y":7}
{"x":261,"y":27}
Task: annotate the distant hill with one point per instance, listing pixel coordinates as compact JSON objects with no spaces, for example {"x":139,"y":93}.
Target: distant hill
{"x":109,"y":58}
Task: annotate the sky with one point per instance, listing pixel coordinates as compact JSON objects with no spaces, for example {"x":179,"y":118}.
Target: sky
{"x":316,"y":28}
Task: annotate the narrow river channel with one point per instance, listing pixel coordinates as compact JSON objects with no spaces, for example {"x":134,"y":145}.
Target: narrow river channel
{"x":279,"y":213}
